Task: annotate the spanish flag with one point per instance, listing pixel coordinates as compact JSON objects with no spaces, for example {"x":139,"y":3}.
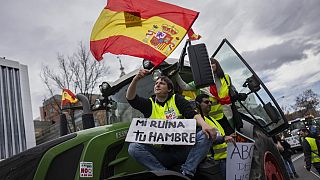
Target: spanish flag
{"x":68,"y":97}
{"x":149,"y":29}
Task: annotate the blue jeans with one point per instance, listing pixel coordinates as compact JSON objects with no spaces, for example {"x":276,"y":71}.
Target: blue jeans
{"x":223,"y":167}
{"x":289,"y":166}
{"x":157,"y":159}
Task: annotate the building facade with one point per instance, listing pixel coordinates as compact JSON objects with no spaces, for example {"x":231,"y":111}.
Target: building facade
{"x":48,"y":126}
{"x":50,"y":111}
{"x":16,"y":124}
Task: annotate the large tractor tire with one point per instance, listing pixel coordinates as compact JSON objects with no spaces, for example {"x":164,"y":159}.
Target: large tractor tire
{"x":267,"y":163}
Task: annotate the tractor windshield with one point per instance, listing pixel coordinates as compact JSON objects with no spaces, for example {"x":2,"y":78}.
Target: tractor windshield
{"x":123,"y":112}
{"x":259,"y":104}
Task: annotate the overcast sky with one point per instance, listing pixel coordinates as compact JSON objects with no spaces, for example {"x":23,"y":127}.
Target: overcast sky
{"x":279,"y":39}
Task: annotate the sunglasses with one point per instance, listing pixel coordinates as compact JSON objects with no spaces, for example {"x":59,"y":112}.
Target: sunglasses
{"x":207,"y":102}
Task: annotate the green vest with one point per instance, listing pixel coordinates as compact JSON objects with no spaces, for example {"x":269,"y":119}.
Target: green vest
{"x":314,"y":149}
{"x":217,"y":109}
{"x":220,"y":150}
{"x":168,"y":111}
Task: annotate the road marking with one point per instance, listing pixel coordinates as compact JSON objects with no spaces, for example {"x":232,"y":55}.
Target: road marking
{"x":315,"y":174}
{"x":299,"y":156}
{"x":296,"y":158}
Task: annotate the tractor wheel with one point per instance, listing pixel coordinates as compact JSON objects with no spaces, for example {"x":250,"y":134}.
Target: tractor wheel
{"x":267,"y":163}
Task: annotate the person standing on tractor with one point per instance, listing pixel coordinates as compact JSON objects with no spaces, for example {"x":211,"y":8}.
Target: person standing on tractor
{"x":219,"y":93}
{"x":310,"y":150}
{"x":162,"y":105}
{"x":219,"y":149}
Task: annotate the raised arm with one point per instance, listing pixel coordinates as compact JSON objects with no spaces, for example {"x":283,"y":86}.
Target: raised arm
{"x":183,"y":85}
{"x":132,"y":89}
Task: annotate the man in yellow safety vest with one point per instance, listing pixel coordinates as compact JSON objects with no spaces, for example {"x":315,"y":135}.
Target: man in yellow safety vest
{"x":219,"y":148}
{"x":166,"y":105}
{"x":310,"y":150}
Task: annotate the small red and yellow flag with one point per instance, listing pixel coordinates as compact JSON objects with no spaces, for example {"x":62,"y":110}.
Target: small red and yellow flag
{"x":193,"y":36}
{"x":149,"y":29}
{"x":68,"y":97}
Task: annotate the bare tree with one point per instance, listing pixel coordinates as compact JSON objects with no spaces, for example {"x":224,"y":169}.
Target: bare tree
{"x":80,"y":73}
{"x":86,"y":72}
{"x":307,"y":103}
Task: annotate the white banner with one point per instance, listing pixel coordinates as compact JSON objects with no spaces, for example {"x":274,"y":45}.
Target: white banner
{"x":239,"y":160}
{"x":159,"y":131}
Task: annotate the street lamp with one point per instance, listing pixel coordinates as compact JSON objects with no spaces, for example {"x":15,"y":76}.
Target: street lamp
{"x":104,"y":89}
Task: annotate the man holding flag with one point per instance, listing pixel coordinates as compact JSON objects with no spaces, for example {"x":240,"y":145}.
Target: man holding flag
{"x":151,"y":29}
{"x":166,"y":105}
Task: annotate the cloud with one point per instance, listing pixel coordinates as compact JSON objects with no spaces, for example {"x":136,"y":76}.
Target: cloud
{"x":295,"y":76}
{"x":279,"y":18}
{"x":276,"y":55}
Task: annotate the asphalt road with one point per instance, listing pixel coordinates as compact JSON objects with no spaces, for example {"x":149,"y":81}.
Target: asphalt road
{"x":298,"y":161}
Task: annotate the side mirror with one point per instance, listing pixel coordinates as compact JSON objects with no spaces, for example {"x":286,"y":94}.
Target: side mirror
{"x":272,"y":112}
{"x":105,"y":89}
{"x":242,"y":96}
{"x":252,"y":83}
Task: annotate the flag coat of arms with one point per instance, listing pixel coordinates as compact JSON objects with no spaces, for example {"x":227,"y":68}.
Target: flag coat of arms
{"x":148,"y":29}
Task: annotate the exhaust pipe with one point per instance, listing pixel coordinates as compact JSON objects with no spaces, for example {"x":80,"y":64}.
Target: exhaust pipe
{"x":63,"y":125}
{"x":87,"y":116}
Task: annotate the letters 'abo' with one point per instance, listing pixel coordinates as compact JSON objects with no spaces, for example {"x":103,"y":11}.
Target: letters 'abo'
{"x":239,"y":157}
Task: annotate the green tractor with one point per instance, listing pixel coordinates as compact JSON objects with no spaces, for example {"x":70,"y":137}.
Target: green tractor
{"x":101,"y":152}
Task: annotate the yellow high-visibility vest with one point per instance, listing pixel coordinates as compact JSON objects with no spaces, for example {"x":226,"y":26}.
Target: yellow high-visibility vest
{"x":168,"y":111}
{"x":220,"y":150}
{"x":314,"y":149}
{"x":217,"y":109}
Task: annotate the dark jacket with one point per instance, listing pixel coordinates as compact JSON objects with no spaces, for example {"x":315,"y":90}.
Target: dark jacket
{"x":287,"y":152}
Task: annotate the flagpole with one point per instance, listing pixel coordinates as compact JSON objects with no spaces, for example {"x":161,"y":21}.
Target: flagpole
{"x":183,"y":53}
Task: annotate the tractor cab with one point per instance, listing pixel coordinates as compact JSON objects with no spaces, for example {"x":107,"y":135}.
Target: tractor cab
{"x":259,"y":107}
